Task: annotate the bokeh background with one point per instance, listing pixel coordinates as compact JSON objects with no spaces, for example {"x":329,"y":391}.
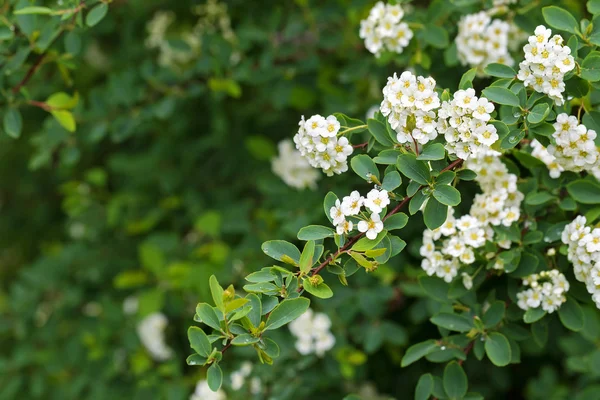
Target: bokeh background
{"x":168,"y":179}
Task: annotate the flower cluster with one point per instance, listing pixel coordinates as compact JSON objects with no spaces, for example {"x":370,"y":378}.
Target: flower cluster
{"x":238,"y":379}
{"x":542,"y":154}
{"x":351,"y":206}
{"x":312,"y":333}
{"x":497,"y":205}
{"x":464,"y":123}
{"x":584,"y":252}
{"x":317,"y":141}
{"x":549,"y":293}
{"x":575,"y":149}
{"x":203,"y":392}
{"x":169,"y":56}
{"x":409,"y":103}
{"x":546,"y":63}
{"x":151,"y":331}
{"x":482,"y":41}
{"x":294,"y":169}
{"x":384,"y":29}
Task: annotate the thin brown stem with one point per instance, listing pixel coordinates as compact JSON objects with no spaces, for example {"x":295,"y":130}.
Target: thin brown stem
{"x":40,"y":104}
{"x":360,"y":146}
{"x":467,"y":350}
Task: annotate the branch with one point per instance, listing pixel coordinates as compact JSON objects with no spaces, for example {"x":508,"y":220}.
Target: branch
{"x":455,"y":164}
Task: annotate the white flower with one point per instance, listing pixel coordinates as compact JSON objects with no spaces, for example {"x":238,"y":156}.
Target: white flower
{"x":203,"y":392}
{"x":482,"y":41}
{"x":130,"y":305}
{"x":372,"y":227}
{"x":318,"y":143}
{"x":336,"y":213}
{"x":312,"y":333}
{"x":151,"y":331}
{"x":467,"y":281}
{"x":549,"y":293}
{"x":293,"y":168}
{"x":546,"y":63}
{"x":574,"y":148}
{"x":352,"y":204}
{"x":377,"y":200}
{"x":383,"y":29}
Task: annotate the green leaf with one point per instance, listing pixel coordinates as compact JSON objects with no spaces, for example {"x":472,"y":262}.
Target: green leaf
{"x":538,"y":113}
{"x":435,"y":213}
{"x":500,"y":71}
{"x":396,"y":221}
{"x":435,"y":36}
{"x":62,"y":100}
{"x":466,"y":81}
{"x":418,"y":351}
{"x":445,"y":178}
{"x":501,"y":95}
{"x":560,"y":18}
{"x":315,"y":232}
{"x":533,"y":314}
{"x":321,"y":290}
{"x":367,"y":244}
{"x":432,"y":151}
{"x":497,"y":349}
{"x":387,"y":157}
{"x":364,"y":167}
{"x":65,"y":119}
{"x":455,"y":381}
{"x":424,"y":387}
{"x":538,"y":198}
{"x":195,"y":359}
{"x":593,"y":6}
{"x":282,"y":251}
{"x":287,"y":311}
{"x":590,"y":68}
{"x":199,"y":341}
{"x":571,"y":315}
{"x":235,"y":304}
{"x":434,"y":287}
{"x":96,"y":14}
{"x":413,"y":169}
{"x":13,"y":123}
{"x":244,"y":339}
{"x":33,"y":10}
{"x":453,"y":322}
{"x":447,"y":195}
{"x":217,"y":292}
{"x":256,"y":309}
{"x":494,"y":314}
{"x":328,"y":202}
{"x":214,"y":377}
{"x":306,"y":258}
{"x":208,"y":315}
{"x":379,"y":132}
{"x":584,"y":191}
{"x":391,"y":181}
{"x":466,"y":174}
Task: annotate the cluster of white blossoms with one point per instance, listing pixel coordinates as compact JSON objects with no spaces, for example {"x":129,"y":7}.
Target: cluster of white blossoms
{"x":293,"y":168}
{"x":170,"y":56}
{"x":584,"y":252}
{"x":542,"y":154}
{"x":409,"y":103}
{"x":574,"y":148}
{"x":384,"y":29}
{"x":238,"y":378}
{"x":547,"y":289}
{"x":482,"y":41}
{"x":312,"y":333}
{"x":464,"y":123}
{"x":546,"y":63}
{"x":204,"y":392}
{"x":317,"y":141}
{"x":497,"y":205}
{"x":151,"y":331}
{"x":349,"y":211}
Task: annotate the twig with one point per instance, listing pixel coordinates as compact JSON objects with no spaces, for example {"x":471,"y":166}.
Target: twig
{"x":455,"y":164}
{"x":360,"y":146}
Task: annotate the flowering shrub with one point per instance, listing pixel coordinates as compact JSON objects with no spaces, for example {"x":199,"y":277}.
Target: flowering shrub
{"x":170,"y":231}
